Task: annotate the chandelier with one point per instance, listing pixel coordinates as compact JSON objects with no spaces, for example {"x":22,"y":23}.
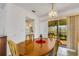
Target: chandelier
{"x":53,"y":12}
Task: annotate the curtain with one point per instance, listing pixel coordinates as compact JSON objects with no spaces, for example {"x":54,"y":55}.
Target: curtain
{"x":73,"y":32}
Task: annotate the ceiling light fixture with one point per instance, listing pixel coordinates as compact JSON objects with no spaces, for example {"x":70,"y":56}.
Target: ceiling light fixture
{"x":53,"y":12}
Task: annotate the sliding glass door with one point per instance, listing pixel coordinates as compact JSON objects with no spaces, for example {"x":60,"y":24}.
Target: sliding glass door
{"x":62,"y":27}
{"x":52,"y":29}
{"x":57,"y":29}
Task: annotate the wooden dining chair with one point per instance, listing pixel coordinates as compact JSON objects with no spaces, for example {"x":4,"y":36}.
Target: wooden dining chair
{"x":13,"y":48}
{"x":57,"y":44}
{"x":64,"y":51}
{"x":55,"y":49}
{"x":29,"y":38}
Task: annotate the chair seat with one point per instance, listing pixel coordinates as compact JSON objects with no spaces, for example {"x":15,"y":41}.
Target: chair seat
{"x":63,"y":51}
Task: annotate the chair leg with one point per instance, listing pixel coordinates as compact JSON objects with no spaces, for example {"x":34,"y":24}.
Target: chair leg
{"x":51,"y":53}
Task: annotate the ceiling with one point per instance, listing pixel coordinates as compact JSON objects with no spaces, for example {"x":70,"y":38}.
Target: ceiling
{"x":2,"y":5}
{"x":44,"y":8}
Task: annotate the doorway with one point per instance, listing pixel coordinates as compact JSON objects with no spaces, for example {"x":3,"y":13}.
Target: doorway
{"x":29,"y":28}
{"x":57,"y":29}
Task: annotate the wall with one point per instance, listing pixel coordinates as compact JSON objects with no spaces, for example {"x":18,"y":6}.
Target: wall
{"x":16,"y":22}
{"x":44,"y":28}
{"x":2,"y":22}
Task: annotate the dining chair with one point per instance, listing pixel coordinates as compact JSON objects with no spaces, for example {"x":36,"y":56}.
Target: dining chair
{"x":29,"y":38}
{"x":64,"y":51}
{"x":53,"y":52}
{"x":13,"y":48}
{"x":71,"y":52}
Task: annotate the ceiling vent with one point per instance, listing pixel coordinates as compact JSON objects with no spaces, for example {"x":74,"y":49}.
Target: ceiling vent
{"x":33,"y":11}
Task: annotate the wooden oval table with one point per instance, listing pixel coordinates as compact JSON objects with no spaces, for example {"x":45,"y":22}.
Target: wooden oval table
{"x":36,"y":49}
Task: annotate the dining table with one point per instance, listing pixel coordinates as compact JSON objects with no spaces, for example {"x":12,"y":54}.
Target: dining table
{"x":36,"y":47}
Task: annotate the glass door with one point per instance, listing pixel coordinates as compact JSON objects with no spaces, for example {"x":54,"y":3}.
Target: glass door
{"x":58,"y":30}
{"x":62,"y":31}
{"x":52,"y":29}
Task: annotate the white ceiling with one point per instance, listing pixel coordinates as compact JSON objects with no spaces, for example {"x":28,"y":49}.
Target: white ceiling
{"x":2,"y":5}
{"x":40,"y":8}
{"x":44,"y":8}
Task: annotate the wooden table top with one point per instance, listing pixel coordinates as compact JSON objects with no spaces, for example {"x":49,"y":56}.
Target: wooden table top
{"x":35,"y":49}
